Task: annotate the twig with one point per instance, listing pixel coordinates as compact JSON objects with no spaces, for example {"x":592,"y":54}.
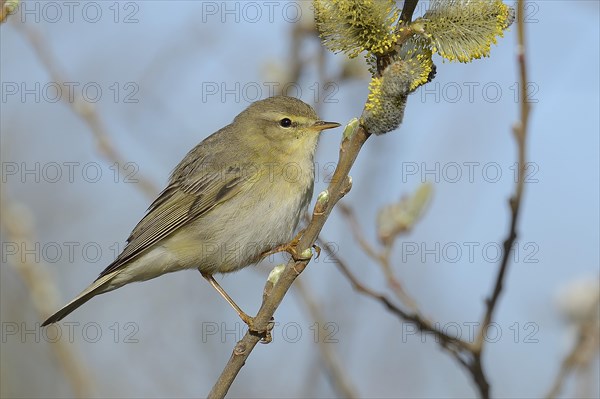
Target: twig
{"x":453,"y":344}
{"x":357,"y":232}
{"x":383,"y":258}
{"x":17,"y":223}
{"x":337,"y":376}
{"x":84,"y":110}
{"x":584,"y":349}
{"x":520,"y":132}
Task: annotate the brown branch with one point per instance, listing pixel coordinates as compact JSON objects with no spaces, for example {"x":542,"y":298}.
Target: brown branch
{"x":337,"y":376}
{"x":85,"y":110}
{"x":408,"y":10}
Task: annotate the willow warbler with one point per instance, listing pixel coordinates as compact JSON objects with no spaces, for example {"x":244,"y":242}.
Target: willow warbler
{"x":234,"y":197}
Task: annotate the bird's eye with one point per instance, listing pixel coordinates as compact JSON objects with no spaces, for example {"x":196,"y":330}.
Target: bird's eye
{"x":285,"y":122}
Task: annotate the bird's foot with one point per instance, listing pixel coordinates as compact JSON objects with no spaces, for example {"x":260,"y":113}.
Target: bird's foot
{"x":292,"y":249}
{"x":264,"y":334}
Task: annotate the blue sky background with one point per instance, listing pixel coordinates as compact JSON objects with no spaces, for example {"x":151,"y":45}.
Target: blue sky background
{"x":173,"y":54}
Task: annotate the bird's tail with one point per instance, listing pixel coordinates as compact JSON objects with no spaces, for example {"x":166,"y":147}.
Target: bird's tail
{"x":99,"y":286}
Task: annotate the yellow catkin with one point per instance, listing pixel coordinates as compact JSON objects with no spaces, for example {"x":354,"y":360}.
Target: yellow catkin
{"x":374,"y":98}
{"x":463,"y":30}
{"x":354,"y":26}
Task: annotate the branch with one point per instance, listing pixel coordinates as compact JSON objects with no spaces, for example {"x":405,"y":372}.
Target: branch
{"x":407,"y":11}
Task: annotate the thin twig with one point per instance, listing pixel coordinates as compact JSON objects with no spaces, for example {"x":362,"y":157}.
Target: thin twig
{"x":383,"y":258}
{"x":451,"y":343}
{"x":336,"y":373}
{"x":581,"y":355}
{"x":17,"y":222}
{"x":85,"y":110}
{"x":520,"y":133}
{"x":357,"y":232}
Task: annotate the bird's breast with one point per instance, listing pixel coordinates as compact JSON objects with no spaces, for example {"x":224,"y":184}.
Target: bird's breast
{"x":259,"y":219}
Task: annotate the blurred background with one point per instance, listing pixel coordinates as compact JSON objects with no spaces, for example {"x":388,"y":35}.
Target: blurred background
{"x":150,"y":79}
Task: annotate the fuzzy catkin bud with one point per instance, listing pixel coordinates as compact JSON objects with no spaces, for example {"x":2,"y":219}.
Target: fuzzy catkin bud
{"x":384,"y":110}
{"x":463,"y":30}
{"x":387,"y":117}
{"x":354,"y":26}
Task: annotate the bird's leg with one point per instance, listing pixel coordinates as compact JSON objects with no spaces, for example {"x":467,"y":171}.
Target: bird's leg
{"x":265,"y":335}
{"x":292,"y":248}
{"x":243,"y":315}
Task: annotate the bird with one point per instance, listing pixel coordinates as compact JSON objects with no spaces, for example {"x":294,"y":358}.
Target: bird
{"x":236,"y":196}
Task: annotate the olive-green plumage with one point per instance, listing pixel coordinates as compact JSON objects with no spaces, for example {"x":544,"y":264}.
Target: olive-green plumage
{"x":236,"y":195}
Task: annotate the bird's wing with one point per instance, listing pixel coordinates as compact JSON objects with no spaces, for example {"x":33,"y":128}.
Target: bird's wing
{"x":185,"y":199}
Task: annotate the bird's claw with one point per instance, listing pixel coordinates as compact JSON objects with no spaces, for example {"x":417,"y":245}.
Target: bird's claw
{"x":292,"y":249}
{"x":264,"y":334}
{"x":317,"y":250}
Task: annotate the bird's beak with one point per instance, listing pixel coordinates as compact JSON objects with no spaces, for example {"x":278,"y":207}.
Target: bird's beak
{"x":322,"y":125}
